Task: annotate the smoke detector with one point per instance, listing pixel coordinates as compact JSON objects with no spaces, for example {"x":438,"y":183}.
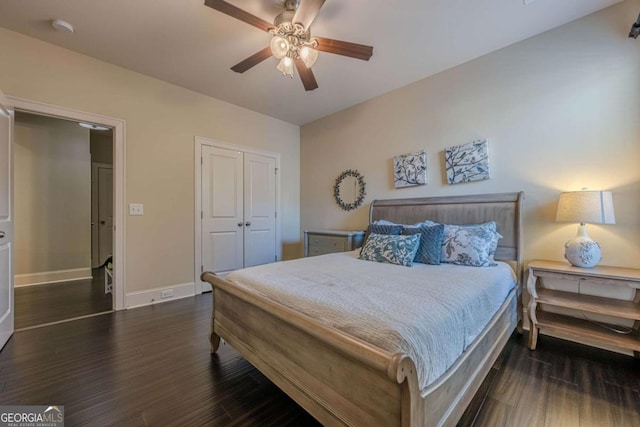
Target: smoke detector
{"x":62,"y":26}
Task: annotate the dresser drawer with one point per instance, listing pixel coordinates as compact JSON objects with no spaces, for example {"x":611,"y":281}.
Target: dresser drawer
{"x":320,"y":242}
{"x":326,"y":244}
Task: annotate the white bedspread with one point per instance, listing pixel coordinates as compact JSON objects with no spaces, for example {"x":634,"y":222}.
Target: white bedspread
{"x":431,"y":313}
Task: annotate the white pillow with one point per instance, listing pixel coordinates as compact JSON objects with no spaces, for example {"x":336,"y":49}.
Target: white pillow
{"x":473,"y":246}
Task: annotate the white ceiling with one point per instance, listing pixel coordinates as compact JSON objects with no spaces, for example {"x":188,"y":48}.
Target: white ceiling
{"x":193,"y":46}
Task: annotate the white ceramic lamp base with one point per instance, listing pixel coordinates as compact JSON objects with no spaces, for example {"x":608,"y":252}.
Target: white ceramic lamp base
{"x":582,"y":251}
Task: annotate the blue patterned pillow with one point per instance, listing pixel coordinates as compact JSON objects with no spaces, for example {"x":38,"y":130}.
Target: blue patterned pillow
{"x":473,"y":246}
{"x":391,"y":249}
{"x":389,"y":229}
{"x":430,"y":248}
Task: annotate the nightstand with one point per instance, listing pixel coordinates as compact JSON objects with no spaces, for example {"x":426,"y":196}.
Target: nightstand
{"x":320,"y":242}
{"x":582,"y":329}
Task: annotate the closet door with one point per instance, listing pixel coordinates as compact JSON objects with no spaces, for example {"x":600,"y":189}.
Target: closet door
{"x":259,"y":209}
{"x":222,"y":210}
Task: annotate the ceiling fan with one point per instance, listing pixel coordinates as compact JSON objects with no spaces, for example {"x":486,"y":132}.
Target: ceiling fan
{"x":292,"y":42}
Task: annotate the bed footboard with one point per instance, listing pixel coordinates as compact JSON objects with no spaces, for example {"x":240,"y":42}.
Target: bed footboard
{"x":341,"y":380}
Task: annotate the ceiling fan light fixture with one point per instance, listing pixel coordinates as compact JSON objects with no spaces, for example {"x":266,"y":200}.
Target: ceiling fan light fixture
{"x":279,"y":47}
{"x":291,"y":40}
{"x":308,"y":55}
{"x":285,"y":66}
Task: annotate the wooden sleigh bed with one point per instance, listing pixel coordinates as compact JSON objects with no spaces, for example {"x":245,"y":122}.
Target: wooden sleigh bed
{"x":343,"y":380}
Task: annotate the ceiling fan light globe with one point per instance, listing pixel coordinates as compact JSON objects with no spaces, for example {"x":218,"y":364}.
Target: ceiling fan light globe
{"x":285,"y":66}
{"x":309,"y":56}
{"x":279,"y":47}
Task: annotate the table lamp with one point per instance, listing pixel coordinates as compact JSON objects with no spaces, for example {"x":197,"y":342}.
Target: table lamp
{"x":594,"y":207}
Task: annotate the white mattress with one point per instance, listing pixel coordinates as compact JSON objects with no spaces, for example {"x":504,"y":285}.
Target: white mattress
{"x":431,"y":313}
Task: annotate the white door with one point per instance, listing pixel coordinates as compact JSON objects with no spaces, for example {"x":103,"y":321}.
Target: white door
{"x":222,"y":211}
{"x":6,"y":222}
{"x":105,"y":213}
{"x":259,"y":209}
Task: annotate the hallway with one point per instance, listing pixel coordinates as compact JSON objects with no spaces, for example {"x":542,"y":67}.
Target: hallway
{"x":41,"y":304}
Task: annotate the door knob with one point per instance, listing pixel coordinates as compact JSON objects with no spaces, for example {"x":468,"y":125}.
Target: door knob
{"x":239,"y":224}
{"x":102,"y":222}
{"x":2,"y":234}
{"x":247,"y":223}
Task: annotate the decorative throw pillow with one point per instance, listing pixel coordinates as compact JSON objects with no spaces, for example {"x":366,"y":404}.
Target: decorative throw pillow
{"x":430,"y":248}
{"x":473,"y":246}
{"x":389,"y":229}
{"x":392,"y":249}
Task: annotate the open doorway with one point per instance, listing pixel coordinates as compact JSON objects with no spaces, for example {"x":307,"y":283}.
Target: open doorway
{"x":63,"y":206}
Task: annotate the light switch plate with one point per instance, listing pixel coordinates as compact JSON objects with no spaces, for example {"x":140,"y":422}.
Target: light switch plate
{"x":136,"y":209}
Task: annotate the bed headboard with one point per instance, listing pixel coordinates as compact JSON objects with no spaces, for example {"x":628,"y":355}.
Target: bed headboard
{"x":503,"y":208}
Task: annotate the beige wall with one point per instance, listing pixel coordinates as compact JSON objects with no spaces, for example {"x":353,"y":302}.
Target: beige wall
{"x":161,"y":123}
{"x":561,"y":111}
{"x":52,"y":195}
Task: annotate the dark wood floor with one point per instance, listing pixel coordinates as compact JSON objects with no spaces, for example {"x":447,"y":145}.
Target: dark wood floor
{"x":41,"y":304}
{"x":151,"y":367}
{"x":559,"y":384}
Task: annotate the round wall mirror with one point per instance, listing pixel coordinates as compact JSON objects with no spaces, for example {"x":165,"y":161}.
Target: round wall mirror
{"x":349,"y":190}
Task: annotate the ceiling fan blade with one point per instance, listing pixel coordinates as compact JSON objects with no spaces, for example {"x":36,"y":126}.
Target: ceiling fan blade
{"x":306,"y":75}
{"x":236,"y":12}
{"x":307,"y":12}
{"x":254,"y":59}
{"x":353,"y":50}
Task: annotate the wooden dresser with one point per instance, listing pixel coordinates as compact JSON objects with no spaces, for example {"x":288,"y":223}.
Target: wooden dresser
{"x":320,"y":242}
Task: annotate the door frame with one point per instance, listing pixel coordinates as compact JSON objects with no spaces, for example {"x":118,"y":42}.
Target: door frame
{"x":199,"y":143}
{"x":119,"y":158}
{"x":7,"y":319}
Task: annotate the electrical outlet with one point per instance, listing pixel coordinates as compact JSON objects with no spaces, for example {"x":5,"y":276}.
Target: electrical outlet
{"x":136,"y":209}
{"x":167,"y":294}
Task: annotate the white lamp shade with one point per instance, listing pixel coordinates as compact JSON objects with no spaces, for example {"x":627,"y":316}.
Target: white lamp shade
{"x":309,"y":56}
{"x":279,"y":47}
{"x":592,"y":207}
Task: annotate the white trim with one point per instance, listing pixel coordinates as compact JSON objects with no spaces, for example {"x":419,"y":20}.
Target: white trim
{"x":197,"y":262}
{"x":56,"y":276}
{"x":154,"y":296}
{"x":199,"y":142}
{"x":119,"y":159}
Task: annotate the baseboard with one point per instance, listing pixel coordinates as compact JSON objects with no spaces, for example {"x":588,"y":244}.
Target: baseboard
{"x":58,"y":276}
{"x":154,"y":296}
